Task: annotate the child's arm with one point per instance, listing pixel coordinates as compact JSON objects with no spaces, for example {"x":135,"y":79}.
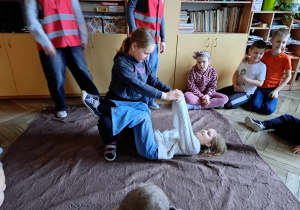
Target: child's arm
{"x":191,"y":85}
{"x":254,"y":82}
{"x":274,"y":93}
{"x":236,"y":87}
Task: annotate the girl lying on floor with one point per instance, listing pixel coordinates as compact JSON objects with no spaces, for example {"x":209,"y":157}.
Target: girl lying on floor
{"x":156,"y":145}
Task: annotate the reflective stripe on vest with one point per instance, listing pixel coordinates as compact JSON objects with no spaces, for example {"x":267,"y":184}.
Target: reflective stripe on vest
{"x":57,"y":17}
{"x":59,"y":23}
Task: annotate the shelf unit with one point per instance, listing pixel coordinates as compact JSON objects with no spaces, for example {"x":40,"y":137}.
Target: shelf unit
{"x":214,"y":42}
{"x":267,"y":18}
{"x":93,"y":9}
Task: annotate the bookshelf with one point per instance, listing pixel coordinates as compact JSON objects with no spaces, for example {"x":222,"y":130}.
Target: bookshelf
{"x":262,"y":25}
{"x":226,"y":46}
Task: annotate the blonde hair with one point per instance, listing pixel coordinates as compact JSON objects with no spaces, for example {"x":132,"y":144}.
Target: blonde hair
{"x":280,"y":32}
{"x":218,"y":147}
{"x":142,"y":36}
{"x":145,"y":196}
{"x":202,"y":53}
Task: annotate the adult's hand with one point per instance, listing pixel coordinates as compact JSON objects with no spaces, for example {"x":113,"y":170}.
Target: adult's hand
{"x":50,"y":50}
{"x":84,"y":46}
{"x":173,"y":95}
{"x":162,"y":47}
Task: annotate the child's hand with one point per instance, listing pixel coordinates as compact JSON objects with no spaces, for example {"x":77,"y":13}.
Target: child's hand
{"x":245,"y":59}
{"x":238,"y":88}
{"x":50,"y":51}
{"x":273,"y":94}
{"x":243,"y":78}
{"x":206,"y":100}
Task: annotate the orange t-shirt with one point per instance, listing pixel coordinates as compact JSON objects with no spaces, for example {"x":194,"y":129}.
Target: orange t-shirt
{"x":276,"y":66}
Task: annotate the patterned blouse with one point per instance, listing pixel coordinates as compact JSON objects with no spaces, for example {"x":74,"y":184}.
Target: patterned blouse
{"x":202,"y":83}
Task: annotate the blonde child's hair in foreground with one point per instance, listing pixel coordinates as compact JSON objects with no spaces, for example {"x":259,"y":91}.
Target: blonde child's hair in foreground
{"x":202,"y":53}
{"x":142,"y":36}
{"x":218,"y":147}
{"x":145,"y":196}
{"x":280,"y":32}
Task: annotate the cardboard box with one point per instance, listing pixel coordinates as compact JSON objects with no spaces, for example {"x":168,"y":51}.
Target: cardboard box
{"x":116,"y":8}
{"x":257,"y":5}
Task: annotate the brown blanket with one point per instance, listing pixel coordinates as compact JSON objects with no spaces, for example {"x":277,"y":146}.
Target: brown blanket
{"x":59,"y":164}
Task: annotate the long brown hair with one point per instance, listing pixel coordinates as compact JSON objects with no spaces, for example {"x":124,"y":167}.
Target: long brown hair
{"x":218,"y":147}
{"x":142,"y":36}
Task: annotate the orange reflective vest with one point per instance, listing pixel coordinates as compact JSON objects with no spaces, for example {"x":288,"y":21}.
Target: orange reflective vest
{"x":152,"y":18}
{"x":59,"y":23}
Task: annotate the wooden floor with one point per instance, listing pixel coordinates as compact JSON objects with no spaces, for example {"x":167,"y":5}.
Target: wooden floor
{"x":16,"y":114}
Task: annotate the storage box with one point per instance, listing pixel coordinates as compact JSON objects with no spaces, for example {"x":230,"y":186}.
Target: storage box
{"x":257,"y":5}
{"x":116,"y":8}
{"x":94,"y":24}
{"x":114,"y":24}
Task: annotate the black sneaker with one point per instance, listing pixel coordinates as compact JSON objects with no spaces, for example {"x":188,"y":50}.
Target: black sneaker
{"x":254,"y":124}
{"x":91,"y":102}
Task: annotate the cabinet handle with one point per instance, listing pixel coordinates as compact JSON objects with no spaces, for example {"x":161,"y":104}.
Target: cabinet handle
{"x":8,"y":42}
{"x":216,"y":42}
{"x":207,"y":41}
{"x":93,"y":46}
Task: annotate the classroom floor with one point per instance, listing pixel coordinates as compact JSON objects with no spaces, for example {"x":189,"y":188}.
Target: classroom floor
{"x":16,"y":114}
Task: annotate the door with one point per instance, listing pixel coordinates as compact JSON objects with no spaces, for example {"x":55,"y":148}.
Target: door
{"x":7,"y":83}
{"x":25,"y":64}
{"x":103,"y":48}
{"x":227,"y":52}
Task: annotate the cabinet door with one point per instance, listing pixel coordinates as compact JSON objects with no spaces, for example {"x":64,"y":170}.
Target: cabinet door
{"x":166,"y":66}
{"x":187,"y":45}
{"x":103,"y":48}
{"x":25,"y":64}
{"x":226,"y":54}
{"x":7,"y":83}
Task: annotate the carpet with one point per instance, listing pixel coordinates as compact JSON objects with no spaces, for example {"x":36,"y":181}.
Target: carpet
{"x":59,"y":164}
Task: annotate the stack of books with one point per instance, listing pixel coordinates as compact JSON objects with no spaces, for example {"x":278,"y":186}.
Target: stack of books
{"x":186,"y":28}
{"x":184,"y":16}
{"x":253,"y":38}
{"x":296,"y":24}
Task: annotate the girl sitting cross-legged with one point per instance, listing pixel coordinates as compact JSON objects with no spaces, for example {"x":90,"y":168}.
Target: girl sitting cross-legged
{"x":202,"y":84}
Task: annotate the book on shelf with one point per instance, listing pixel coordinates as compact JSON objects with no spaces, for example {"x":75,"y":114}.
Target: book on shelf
{"x":225,"y":19}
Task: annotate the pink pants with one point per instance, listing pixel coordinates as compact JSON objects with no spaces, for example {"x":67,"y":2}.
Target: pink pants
{"x":217,"y":100}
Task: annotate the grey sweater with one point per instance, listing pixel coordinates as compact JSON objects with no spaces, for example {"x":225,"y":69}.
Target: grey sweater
{"x":181,"y":140}
{"x":36,"y":28}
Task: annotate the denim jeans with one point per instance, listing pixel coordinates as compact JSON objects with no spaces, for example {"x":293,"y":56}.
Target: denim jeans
{"x":262,"y":102}
{"x":153,"y":61}
{"x":133,"y":115}
{"x":55,"y":70}
{"x":286,"y":126}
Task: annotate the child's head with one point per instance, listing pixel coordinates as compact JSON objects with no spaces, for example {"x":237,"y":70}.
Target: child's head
{"x":257,"y":50}
{"x":145,"y":196}
{"x":212,"y":143}
{"x":279,"y":39}
{"x":140,"y":44}
{"x":203,"y":59}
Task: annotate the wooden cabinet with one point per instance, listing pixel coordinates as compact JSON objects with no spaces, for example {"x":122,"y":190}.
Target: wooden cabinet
{"x":103,"y":47}
{"x":25,"y":64}
{"x":225,"y":57}
{"x":7,"y":82}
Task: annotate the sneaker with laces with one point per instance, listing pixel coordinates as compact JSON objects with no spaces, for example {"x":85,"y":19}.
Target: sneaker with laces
{"x":254,"y":124}
{"x":91,"y":102}
{"x":61,"y":114}
{"x":154,"y":105}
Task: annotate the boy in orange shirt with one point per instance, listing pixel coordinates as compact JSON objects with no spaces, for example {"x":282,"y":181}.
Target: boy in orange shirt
{"x":265,"y":97}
